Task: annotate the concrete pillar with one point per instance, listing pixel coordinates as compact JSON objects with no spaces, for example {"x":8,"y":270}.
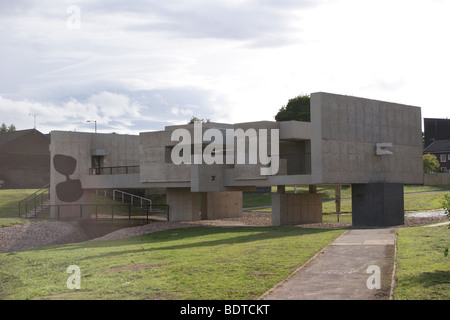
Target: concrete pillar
{"x":293,"y":209}
{"x":337,"y":198}
{"x":204,"y":205}
{"x":183,"y":204}
{"x":224,"y":204}
{"x":377,"y":204}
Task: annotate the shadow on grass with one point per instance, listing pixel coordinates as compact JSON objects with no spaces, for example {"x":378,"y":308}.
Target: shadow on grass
{"x":166,"y":239}
{"x":431,"y":279}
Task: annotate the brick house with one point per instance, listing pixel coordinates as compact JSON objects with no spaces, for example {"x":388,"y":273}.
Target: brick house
{"x":24,"y":159}
{"x":441,"y":149}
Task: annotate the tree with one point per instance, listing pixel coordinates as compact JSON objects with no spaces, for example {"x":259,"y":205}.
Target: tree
{"x":194,"y":119}
{"x":4,"y":128}
{"x":297,"y":108}
{"x":430,"y":163}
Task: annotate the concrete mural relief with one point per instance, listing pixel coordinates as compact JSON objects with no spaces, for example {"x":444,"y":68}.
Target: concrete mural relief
{"x":69,"y":190}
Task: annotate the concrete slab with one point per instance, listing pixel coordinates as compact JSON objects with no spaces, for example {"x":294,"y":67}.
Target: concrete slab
{"x":341,"y":271}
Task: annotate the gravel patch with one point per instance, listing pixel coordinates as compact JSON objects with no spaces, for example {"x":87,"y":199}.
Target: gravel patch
{"x":37,"y":234}
{"x":44,"y":233}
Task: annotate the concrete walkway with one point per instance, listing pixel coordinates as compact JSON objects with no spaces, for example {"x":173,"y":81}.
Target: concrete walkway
{"x":343,"y":270}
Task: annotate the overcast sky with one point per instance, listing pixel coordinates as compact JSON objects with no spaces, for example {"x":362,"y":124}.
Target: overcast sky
{"x":140,"y":65}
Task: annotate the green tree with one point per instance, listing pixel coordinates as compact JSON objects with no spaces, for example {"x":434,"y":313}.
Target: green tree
{"x":5,"y":128}
{"x":297,"y":108}
{"x":194,"y":119}
{"x":430,"y":163}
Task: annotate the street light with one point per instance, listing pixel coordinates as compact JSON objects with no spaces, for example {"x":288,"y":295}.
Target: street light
{"x":95,"y":121}
{"x":34,"y":115}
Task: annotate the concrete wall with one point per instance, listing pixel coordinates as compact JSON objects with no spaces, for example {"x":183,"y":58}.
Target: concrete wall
{"x":293,"y":209}
{"x":120,"y":150}
{"x":156,"y":166}
{"x":436,"y":179}
{"x":344,"y":134}
{"x":183,"y":204}
{"x":222,"y":205}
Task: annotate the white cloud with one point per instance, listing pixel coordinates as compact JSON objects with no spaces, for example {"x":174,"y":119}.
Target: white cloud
{"x":140,"y":65}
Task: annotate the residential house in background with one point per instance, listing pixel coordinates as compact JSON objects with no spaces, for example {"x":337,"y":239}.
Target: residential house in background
{"x":435,"y":129}
{"x":441,"y":149}
{"x":24,"y":159}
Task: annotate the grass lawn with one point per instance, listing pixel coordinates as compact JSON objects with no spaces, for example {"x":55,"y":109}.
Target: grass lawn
{"x":423,"y":272}
{"x":9,"y":201}
{"x":413,"y":202}
{"x":190,"y":263}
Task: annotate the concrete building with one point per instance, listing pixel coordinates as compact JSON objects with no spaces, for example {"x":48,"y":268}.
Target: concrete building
{"x":373,"y":145}
{"x":24,"y":159}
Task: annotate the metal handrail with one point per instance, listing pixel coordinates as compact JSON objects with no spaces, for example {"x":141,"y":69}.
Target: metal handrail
{"x":33,"y":197}
{"x":132,"y":196}
{"x":109,"y":170}
{"x":79,"y":212}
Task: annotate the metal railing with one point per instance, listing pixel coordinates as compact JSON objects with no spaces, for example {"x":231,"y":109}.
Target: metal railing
{"x":105,"y":212}
{"x":140,"y":199}
{"x":35,"y":202}
{"x":114,"y":170}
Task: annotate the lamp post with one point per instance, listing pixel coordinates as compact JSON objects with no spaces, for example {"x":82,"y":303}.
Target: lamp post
{"x":95,"y":122}
{"x":34,"y":115}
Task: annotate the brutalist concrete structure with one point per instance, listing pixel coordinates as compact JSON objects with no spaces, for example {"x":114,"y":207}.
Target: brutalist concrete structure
{"x":375,"y":146}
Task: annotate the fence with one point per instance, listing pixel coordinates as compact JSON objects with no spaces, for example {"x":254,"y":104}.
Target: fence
{"x":114,"y":170}
{"x":104,"y":212}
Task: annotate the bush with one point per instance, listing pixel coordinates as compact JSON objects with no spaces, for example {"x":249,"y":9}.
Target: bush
{"x":430,"y":163}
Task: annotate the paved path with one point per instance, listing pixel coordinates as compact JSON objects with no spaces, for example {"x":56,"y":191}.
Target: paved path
{"x":340,"y":271}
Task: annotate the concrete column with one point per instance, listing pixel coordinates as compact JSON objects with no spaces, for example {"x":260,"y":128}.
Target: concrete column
{"x":224,"y":204}
{"x":204,"y":205}
{"x":293,"y":209}
{"x":377,"y":204}
{"x":183,"y":204}
{"x":337,"y":198}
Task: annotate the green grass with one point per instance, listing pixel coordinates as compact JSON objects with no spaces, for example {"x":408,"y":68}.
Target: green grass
{"x":8,"y":222}
{"x":423,"y":272}
{"x":413,"y":202}
{"x":419,"y":202}
{"x":256,"y":200}
{"x":190,"y":263}
{"x":9,"y":201}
